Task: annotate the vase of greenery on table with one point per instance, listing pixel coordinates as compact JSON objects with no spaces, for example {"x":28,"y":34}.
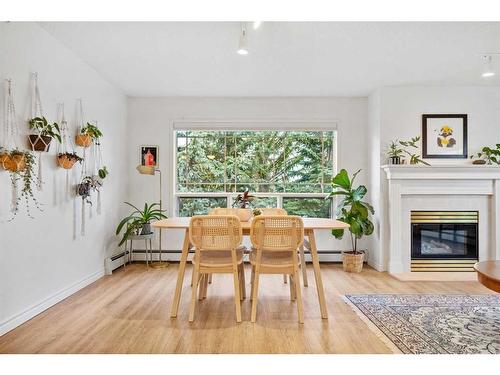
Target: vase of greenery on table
{"x":353,"y":210}
{"x":140,"y":219}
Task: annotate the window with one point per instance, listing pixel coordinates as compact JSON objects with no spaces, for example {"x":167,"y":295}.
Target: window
{"x":289,"y":169}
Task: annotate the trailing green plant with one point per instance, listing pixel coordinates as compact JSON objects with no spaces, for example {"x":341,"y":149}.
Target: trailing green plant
{"x":28,"y":179}
{"x":489,"y":155}
{"x":412,"y":143}
{"x":352,"y":209}
{"x":92,"y":130}
{"x":71,"y":155}
{"x":103,"y":172}
{"x":243,"y":200}
{"x":47,"y":130}
{"x":138,"y":218}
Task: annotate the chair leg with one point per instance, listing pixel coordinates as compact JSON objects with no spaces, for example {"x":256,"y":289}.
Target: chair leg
{"x":237,"y":300}
{"x":196,"y":282}
{"x":284,"y":278}
{"x":242,"y":282}
{"x":192,"y":275}
{"x":300,"y":308}
{"x":201,"y":291}
{"x":303,"y":265}
{"x":293,"y":297}
{"x":252,"y":279}
{"x":210,"y":278}
{"x":205,"y":285}
{"x":255,"y":290}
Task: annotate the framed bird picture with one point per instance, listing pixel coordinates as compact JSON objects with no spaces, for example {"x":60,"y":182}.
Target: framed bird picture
{"x":444,"y":136}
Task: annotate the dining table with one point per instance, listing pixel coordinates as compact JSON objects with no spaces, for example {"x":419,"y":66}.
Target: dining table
{"x":310,"y":226}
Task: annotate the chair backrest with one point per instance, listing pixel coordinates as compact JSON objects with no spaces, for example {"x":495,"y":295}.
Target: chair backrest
{"x":277,"y":233}
{"x":223,"y":211}
{"x":210,"y":232}
{"x":272,"y":211}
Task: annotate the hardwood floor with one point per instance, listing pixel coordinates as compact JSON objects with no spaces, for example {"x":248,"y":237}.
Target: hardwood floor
{"x":129,"y":312}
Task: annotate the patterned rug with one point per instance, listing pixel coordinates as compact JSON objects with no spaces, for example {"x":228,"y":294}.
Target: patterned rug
{"x":432,"y":324}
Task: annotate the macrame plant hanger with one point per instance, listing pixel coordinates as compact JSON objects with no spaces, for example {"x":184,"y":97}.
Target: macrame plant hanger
{"x":97,"y":167}
{"x":65,"y":146}
{"x":37,"y":111}
{"x":11,"y":134}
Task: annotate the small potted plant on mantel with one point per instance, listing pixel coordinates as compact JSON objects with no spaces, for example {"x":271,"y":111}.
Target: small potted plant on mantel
{"x":243,"y":201}
{"x":395,"y":153}
{"x":488,"y":155}
{"x":355,"y":212}
{"x":139,"y":221}
{"x":46,"y":132}
{"x":88,"y":133}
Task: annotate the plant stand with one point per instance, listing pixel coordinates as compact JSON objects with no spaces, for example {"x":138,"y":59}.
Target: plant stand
{"x":147,"y":238}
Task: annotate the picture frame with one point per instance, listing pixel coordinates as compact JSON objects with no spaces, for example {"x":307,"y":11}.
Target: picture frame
{"x":444,"y":136}
{"x":149,"y":155}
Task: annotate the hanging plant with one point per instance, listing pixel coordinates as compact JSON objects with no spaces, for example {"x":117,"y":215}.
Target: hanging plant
{"x":87,"y":186}
{"x":67,"y":160}
{"x":21,"y":166}
{"x":88,"y":133}
{"x":45,"y":133}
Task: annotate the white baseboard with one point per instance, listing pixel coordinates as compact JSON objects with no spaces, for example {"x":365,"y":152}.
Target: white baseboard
{"x":18,"y":319}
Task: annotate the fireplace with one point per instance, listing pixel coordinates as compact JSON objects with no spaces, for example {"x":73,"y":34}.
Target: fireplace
{"x":444,"y":241}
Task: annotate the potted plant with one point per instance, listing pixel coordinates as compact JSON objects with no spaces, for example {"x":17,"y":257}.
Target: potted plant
{"x":88,"y":133}
{"x":21,"y":165}
{"x":46,"y":132}
{"x":488,"y":155}
{"x":355,"y":212}
{"x":414,"y":158}
{"x":139,"y":219}
{"x":67,"y":160}
{"x":243,"y":201}
{"x":395,"y":152}
{"x":13,"y":161}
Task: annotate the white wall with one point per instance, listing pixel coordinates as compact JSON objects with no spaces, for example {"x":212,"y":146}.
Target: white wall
{"x":150,"y":122}
{"x":397,"y":113}
{"x":40,"y":262}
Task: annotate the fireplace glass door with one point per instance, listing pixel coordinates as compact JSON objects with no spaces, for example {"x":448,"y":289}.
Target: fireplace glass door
{"x":444,"y":241}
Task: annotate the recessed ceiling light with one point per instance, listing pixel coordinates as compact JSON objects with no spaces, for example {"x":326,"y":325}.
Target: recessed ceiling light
{"x":487,"y":67}
{"x":256,"y":25}
{"x":243,"y":45}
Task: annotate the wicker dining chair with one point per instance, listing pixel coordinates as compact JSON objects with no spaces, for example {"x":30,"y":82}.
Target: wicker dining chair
{"x":280,"y":211}
{"x":275,"y":240}
{"x":216,"y":240}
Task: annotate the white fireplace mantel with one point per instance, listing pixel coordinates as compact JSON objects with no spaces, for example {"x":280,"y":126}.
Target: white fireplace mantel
{"x":441,"y":180}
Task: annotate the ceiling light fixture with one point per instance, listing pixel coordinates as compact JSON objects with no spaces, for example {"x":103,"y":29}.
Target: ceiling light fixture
{"x":243,"y":45}
{"x":256,"y":25}
{"x":487,"y":67}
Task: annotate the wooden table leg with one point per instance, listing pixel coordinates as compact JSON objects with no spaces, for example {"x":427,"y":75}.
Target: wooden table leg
{"x":317,"y":274}
{"x":180,"y":275}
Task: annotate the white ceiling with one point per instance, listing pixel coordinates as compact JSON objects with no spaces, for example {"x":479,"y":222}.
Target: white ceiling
{"x":285,"y":58}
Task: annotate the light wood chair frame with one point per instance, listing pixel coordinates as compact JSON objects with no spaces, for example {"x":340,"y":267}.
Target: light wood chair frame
{"x":209,"y":233}
{"x":290,"y":231}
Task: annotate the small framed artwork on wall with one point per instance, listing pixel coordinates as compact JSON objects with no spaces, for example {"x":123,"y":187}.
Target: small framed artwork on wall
{"x":444,"y":136}
{"x":149,"y":155}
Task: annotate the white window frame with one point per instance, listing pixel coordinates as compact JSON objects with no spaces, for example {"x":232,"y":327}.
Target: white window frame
{"x":254,"y":125}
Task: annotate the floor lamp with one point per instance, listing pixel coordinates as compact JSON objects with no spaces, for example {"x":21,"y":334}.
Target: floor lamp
{"x":152,"y":170}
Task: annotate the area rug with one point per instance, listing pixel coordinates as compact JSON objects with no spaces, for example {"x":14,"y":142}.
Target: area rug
{"x":434,"y":324}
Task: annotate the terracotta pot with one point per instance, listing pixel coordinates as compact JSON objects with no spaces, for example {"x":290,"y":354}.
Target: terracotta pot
{"x":15,"y":163}
{"x":39,"y":142}
{"x":83,"y":140}
{"x":66,"y":162}
{"x":244,"y":214}
{"x":352,"y":262}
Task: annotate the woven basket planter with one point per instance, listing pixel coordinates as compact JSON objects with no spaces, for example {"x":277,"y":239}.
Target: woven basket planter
{"x":83,"y":140}
{"x":39,"y":142}
{"x":352,"y":262}
{"x":15,"y":163}
{"x":66,"y":162}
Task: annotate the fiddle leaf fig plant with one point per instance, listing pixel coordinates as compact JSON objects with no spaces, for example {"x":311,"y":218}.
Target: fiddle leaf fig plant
{"x":352,"y":209}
